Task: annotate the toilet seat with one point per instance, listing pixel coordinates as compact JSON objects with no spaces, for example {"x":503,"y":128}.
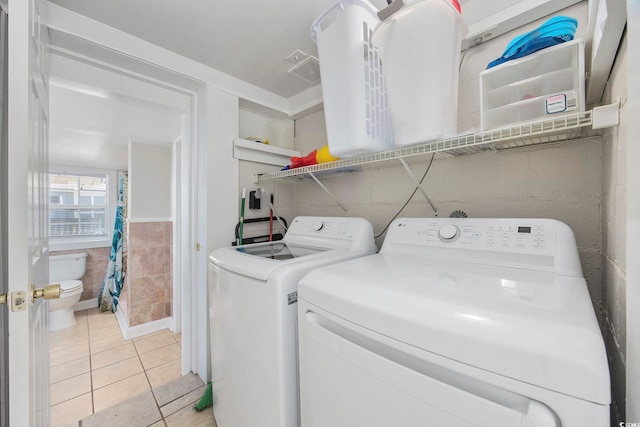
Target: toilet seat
{"x":70,"y":285}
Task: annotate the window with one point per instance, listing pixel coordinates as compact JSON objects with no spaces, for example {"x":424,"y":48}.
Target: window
{"x":78,"y":205}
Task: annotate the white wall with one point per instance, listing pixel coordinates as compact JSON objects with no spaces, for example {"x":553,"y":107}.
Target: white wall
{"x":217,"y":210}
{"x":633,"y":216}
{"x":254,"y":124}
{"x":614,"y":182}
{"x":149,"y":181}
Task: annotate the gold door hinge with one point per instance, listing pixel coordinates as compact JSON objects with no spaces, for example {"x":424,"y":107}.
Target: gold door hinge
{"x":197,"y":247}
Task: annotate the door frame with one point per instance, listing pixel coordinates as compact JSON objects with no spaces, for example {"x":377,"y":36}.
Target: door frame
{"x":4,"y":312}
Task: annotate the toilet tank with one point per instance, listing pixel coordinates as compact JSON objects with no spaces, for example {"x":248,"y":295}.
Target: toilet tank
{"x":67,"y":267}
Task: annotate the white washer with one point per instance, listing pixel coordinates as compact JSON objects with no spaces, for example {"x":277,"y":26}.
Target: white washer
{"x":253,"y":315}
{"x":456,"y":322}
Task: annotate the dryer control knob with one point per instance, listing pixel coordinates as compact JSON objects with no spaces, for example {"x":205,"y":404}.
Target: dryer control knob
{"x":448,"y":233}
{"x":317,"y":225}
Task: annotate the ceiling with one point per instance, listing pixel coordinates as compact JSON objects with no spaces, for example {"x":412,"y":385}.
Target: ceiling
{"x":251,"y":39}
{"x":90,"y":129}
{"x":247,"y":39}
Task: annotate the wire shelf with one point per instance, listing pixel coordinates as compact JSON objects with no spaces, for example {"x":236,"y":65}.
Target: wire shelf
{"x":562,"y":128}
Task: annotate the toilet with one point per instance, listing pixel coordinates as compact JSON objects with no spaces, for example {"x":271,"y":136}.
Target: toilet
{"x":66,"y":270}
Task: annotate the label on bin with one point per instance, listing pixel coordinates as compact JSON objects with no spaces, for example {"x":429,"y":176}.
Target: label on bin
{"x":560,"y":102}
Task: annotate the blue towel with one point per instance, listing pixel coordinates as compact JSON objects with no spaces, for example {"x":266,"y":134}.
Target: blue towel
{"x":556,"y":30}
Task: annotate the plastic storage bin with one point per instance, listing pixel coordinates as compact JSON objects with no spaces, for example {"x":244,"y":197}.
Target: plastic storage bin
{"x":353,"y":89}
{"x":420,"y":50}
{"x":534,"y":87}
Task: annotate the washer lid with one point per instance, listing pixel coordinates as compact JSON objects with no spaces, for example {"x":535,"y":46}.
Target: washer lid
{"x":531,"y":326}
{"x":70,"y":285}
{"x":260,"y":260}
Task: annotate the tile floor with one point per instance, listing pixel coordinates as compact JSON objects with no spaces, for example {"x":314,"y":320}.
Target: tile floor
{"x":104,"y":380}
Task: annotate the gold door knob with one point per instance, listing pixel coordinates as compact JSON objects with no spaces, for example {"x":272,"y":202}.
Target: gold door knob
{"x":52,"y":291}
{"x":3,"y":299}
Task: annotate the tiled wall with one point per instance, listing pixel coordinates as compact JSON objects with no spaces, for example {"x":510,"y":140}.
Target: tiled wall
{"x":97,"y":259}
{"x":149,"y":279}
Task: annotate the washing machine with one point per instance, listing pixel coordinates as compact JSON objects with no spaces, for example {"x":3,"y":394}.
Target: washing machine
{"x":455,"y":322}
{"x":253,"y":316}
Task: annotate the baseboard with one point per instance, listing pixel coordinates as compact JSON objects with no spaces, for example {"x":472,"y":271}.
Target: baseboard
{"x":86,"y":304}
{"x":129,"y":332}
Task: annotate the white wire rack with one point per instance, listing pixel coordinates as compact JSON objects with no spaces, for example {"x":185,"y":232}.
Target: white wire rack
{"x":562,"y":128}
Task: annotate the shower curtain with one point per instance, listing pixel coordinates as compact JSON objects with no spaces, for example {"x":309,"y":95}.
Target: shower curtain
{"x":116,"y":268}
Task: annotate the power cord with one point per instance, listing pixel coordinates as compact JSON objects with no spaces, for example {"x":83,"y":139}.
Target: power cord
{"x":410,"y":197}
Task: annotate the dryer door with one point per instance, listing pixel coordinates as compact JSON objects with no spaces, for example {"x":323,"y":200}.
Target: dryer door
{"x":349,"y":378}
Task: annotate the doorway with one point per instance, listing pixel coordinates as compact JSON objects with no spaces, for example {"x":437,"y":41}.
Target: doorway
{"x":140,"y":85}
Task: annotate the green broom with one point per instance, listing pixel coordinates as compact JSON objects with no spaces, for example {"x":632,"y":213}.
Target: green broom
{"x":206,"y":401}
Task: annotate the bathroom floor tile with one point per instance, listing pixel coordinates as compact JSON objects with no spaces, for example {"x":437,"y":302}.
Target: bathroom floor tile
{"x":120,"y":391}
{"x":69,"y":353}
{"x":65,"y":413}
{"x":146,"y":344}
{"x":70,"y":388}
{"x":160,"y":356}
{"x":96,"y":323}
{"x":77,"y":331}
{"x":116,"y":372}
{"x":102,"y":343}
{"x":98,"y":377}
{"x":114,"y":355}
{"x":105,"y":332}
{"x":70,"y":369}
{"x":165,"y":373}
{"x":178,"y":338}
{"x":152,"y":334}
{"x":68,"y":341}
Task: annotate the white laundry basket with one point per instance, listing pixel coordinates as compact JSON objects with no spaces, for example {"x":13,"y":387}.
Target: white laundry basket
{"x":353,"y":89}
{"x":420,"y":50}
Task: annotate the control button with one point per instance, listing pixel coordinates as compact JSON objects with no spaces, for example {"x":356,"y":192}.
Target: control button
{"x":317,"y":225}
{"x":477,"y":235}
{"x":448,"y":233}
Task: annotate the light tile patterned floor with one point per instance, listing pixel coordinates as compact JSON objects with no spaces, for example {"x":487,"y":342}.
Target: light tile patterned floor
{"x":104,"y":380}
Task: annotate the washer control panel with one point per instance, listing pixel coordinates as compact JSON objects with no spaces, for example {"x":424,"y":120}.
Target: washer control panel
{"x":515,"y":235}
{"x":328,"y":227}
{"x":531,"y":243}
{"x":331,"y":232}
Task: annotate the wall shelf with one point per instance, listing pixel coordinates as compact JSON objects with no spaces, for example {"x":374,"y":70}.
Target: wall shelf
{"x":561,"y":128}
{"x":262,"y":153}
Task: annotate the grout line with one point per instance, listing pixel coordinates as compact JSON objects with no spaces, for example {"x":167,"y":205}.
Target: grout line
{"x":93,"y":404}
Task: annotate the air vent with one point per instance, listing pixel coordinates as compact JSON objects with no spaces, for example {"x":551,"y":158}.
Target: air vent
{"x":307,"y":70}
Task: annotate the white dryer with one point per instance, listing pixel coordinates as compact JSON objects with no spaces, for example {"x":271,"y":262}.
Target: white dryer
{"x":456,"y":322}
{"x":253,"y":317}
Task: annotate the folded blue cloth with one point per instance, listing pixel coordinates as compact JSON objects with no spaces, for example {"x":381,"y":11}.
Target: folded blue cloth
{"x":556,"y":30}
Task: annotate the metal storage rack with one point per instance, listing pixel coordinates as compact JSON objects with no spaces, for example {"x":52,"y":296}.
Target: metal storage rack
{"x":562,"y":128}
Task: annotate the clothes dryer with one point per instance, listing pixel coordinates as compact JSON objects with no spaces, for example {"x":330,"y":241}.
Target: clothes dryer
{"x":253,"y":317}
{"x":455,"y":322}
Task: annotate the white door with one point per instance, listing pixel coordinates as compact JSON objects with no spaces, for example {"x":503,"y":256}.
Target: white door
{"x":27,"y":232}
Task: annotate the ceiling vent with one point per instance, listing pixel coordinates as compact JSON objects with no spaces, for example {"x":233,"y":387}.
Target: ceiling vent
{"x":307,"y":70}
